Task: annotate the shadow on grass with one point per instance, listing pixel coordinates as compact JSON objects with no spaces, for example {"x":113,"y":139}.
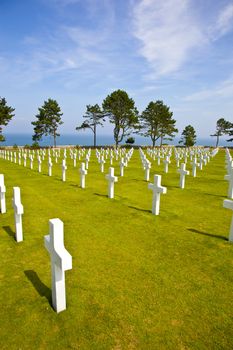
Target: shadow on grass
{"x":9,"y":231}
{"x":101,"y":195}
{"x":39,"y":286}
{"x":208,"y":234}
{"x":215,"y":195}
{"x":140,"y":209}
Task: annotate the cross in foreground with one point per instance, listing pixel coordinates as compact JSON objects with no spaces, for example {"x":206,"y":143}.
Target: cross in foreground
{"x":111,"y":179}
{"x":2,"y":194}
{"x":229,"y":205}
{"x":157,"y":189}
{"x":61,"y":261}
{"x":18,"y":208}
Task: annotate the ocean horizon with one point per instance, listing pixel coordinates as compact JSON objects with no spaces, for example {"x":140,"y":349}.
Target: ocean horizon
{"x":102,"y":140}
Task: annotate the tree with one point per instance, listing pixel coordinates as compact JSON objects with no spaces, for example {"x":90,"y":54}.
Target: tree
{"x":94,"y":117}
{"x":222,"y":128}
{"x":48,"y":120}
{"x":230,"y":132}
{"x":122,"y":113}
{"x":188,"y":136}
{"x":6,"y":114}
{"x":156,"y":122}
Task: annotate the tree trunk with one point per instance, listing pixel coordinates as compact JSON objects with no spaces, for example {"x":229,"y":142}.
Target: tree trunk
{"x":217,"y":141}
{"x":95,"y":135}
{"x":161,"y":141}
{"x":153,"y":141}
{"x":54,"y":139}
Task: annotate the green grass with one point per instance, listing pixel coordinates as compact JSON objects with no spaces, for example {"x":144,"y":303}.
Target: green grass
{"x":138,"y":281}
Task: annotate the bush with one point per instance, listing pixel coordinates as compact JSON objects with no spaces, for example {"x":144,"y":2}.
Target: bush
{"x":35,"y":145}
{"x":130,"y":140}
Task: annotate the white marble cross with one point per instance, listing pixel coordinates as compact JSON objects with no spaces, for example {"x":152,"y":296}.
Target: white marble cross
{"x":39,"y":164}
{"x":194,"y":167}
{"x":229,"y":205}
{"x":201,"y":162}
{"x":158,"y":158}
{"x":50,"y":164}
{"x":83,"y":173}
{"x":183,"y":172}
{"x":157,"y":189}
{"x":2,"y":194}
{"x":147,"y":165}
{"x":18,"y":209}
{"x":64,"y":168}
{"x":74,"y":159}
{"x":25,"y":159}
{"x":111,"y":179}
{"x":230,"y":179}
{"x":61,"y":261}
{"x":102,"y":161}
{"x":122,"y":164}
{"x":31,"y":161}
{"x":166,"y":162}
{"x":87,"y":159}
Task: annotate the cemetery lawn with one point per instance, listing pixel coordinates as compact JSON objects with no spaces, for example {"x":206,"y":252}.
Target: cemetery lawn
{"x":138,"y":281}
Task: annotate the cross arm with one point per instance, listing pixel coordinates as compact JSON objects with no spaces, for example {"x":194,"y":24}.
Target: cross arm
{"x":228,"y":204}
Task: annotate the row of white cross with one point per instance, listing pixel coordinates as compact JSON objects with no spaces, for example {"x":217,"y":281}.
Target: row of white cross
{"x":229,"y":177}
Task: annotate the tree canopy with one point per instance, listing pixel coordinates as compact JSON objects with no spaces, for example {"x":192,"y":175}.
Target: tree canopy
{"x":94,"y":116}
{"x":6,"y":114}
{"x":48,"y":121}
{"x":230,"y":133}
{"x":188,"y":136}
{"x":156,"y":122}
{"x":122,"y":113}
{"x":222,"y":128}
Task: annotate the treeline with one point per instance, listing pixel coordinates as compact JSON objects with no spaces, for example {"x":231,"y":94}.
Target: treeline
{"x":155,"y":122}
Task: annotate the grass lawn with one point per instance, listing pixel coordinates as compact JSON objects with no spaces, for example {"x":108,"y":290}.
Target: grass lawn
{"x":138,"y":281}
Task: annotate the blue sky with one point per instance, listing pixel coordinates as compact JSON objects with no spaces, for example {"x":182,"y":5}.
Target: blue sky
{"x":77,"y":52}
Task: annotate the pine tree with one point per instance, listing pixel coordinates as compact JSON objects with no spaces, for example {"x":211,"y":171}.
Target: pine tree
{"x":48,"y":121}
{"x":188,"y":136}
{"x":121,"y":112}
{"x":156,"y":122}
{"x":94,"y":116}
{"x":6,"y":114}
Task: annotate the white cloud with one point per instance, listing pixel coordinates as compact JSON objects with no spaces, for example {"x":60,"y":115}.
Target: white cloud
{"x":168,"y":33}
{"x":223,"y":90}
{"x":171,"y":32}
{"x":225,"y":20}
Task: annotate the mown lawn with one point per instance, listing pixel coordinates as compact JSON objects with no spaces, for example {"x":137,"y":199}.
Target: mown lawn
{"x":138,"y":281}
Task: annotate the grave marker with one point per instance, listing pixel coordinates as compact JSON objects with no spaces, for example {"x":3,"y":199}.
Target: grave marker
{"x":61,"y":261}
{"x":83,"y":173}
{"x":183,"y":172}
{"x":157,"y":190}
{"x":111,"y":180}
{"x":2,"y":194}
{"x":18,"y":209}
{"x":229,"y":205}
{"x":64,"y":168}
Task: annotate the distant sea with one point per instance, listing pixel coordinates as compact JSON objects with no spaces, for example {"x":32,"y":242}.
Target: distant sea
{"x":102,"y":140}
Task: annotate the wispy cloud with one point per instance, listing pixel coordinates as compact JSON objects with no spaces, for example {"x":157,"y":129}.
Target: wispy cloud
{"x":225,"y":20}
{"x":223,"y":90}
{"x":171,"y":32}
{"x":65,"y":48}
